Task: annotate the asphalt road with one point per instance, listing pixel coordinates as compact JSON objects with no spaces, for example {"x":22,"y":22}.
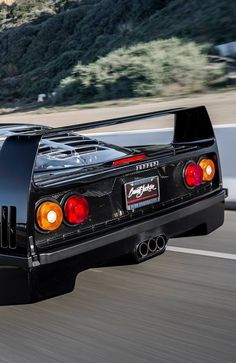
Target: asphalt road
{"x":175,"y":308}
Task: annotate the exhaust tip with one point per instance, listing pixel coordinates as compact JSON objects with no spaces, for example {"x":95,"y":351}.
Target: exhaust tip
{"x":143,"y":249}
{"x":152,"y":245}
{"x":161,"y":242}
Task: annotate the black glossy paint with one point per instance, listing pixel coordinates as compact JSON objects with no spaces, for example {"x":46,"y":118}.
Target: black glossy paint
{"x":46,"y":264}
{"x":16,"y":185}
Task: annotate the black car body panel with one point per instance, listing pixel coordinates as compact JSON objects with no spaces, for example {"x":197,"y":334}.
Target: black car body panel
{"x":56,"y":163}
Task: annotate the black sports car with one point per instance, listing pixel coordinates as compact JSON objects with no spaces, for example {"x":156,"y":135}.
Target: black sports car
{"x":70,"y":202}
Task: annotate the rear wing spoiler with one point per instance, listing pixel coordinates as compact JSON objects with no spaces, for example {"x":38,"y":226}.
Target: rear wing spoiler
{"x":18,"y":155}
{"x":190,"y":124}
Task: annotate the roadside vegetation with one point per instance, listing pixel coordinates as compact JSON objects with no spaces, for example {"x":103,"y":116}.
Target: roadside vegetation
{"x":164,"y":67}
{"x":91,"y":50}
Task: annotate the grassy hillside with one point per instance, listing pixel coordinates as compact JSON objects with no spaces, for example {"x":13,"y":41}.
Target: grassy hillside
{"x":43,"y":43}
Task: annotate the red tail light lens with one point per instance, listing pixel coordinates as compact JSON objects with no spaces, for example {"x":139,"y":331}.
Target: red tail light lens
{"x":76,"y":209}
{"x":193,"y":175}
{"x":129,"y":159}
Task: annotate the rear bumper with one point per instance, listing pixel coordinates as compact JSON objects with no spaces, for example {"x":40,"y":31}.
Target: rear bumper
{"x":208,"y":212}
{"x":21,"y":283}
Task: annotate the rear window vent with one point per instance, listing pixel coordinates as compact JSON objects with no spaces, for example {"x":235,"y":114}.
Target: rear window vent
{"x":70,"y":150}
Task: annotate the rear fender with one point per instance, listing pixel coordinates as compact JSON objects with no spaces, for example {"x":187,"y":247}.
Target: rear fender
{"x":17,"y":159}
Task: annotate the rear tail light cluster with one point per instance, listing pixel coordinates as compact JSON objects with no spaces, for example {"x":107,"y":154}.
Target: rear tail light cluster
{"x":50,"y":214}
{"x":195,"y":174}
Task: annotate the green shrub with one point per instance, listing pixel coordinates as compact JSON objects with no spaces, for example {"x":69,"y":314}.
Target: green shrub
{"x":150,"y":69}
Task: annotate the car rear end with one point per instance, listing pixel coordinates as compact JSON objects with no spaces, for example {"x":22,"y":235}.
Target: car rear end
{"x":89,"y":202}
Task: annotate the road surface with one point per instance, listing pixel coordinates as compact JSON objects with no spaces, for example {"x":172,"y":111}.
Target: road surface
{"x":176,"y":308}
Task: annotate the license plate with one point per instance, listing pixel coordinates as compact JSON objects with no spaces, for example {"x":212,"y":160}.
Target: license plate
{"x":142,"y":192}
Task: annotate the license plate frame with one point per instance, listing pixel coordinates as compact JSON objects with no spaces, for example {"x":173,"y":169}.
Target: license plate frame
{"x":142,"y":192}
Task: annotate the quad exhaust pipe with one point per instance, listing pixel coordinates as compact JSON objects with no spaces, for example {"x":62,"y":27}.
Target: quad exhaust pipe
{"x":153,"y":246}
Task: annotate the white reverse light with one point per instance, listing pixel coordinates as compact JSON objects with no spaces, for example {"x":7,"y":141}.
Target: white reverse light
{"x":52,"y":216}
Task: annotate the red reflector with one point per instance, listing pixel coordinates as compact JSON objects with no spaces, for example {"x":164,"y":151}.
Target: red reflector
{"x":76,"y":209}
{"x":193,"y":175}
{"x":129,"y":159}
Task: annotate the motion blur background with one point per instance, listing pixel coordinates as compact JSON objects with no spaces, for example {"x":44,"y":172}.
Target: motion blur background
{"x":83,"y":51}
{"x":71,"y":61}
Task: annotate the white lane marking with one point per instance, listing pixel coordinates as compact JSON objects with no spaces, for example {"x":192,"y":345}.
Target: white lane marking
{"x":228,"y":256}
{"x":95,"y":270}
{"x":224,"y":126}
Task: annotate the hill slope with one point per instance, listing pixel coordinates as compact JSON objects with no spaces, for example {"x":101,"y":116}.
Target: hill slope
{"x":40,"y":45}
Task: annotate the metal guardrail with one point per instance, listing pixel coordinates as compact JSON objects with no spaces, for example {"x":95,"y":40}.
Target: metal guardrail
{"x":226,"y":138}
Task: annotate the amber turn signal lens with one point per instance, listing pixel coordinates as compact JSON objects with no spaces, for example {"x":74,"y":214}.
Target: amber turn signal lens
{"x":49,"y":216}
{"x":208,"y":168}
